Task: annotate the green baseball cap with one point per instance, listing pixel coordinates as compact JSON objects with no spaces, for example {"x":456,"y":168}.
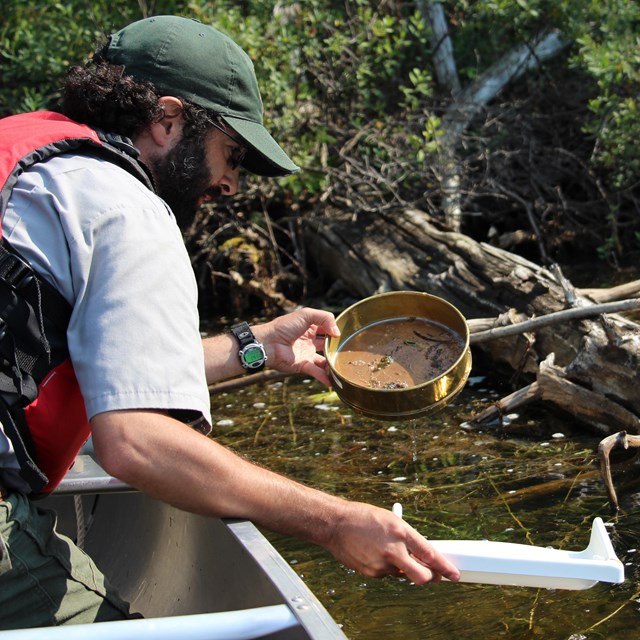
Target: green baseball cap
{"x":190,"y":60}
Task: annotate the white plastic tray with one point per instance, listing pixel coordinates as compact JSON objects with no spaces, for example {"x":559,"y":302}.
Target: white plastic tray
{"x":506,"y":563}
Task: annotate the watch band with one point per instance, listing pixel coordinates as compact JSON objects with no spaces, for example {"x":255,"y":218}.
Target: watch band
{"x":252,"y":354}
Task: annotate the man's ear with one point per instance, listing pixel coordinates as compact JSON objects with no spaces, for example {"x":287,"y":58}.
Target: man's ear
{"x":169,"y":127}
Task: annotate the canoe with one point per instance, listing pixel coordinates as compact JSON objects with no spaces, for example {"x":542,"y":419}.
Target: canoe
{"x":189,"y":576}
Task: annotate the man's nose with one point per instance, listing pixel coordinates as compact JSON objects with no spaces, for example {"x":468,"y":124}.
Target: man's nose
{"x":229,"y":183}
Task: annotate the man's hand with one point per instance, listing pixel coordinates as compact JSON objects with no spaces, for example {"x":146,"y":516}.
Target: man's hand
{"x":294,"y":341}
{"x":377,"y":543}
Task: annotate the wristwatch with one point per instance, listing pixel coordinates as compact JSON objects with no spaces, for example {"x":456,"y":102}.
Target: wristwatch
{"x":252,"y":354}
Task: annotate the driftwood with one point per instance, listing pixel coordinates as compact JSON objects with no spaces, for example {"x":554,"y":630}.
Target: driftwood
{"x":567,"y":347}
{"x":621,"y":439}
{"x":552,"y":386}
{"x":562,"y":344}
{"x":571,"y":348}
{"x":483,"y":330}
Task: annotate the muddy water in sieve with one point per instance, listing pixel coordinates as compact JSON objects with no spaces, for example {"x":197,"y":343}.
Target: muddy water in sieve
{"x":398,"y":353}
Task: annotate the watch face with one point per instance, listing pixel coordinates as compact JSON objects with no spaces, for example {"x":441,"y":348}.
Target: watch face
{"x":253,"y":355}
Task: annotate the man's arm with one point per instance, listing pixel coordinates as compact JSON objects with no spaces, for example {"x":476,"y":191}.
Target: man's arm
{"x":171,"y":462}
{"x":292,"y":343}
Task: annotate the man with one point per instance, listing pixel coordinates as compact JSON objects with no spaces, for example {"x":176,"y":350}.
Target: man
{"x":181,"y":107}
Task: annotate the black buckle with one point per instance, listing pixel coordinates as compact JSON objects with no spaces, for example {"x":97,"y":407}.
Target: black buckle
{"x":15,"y":271}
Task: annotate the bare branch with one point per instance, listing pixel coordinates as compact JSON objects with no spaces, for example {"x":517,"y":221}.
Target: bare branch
{"x":579,"y":313}
{"x":510,"y":67}
{"x":620,"y":439}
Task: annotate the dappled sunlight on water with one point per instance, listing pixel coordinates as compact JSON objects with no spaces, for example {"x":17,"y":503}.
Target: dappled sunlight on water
{"x":534,"y":482}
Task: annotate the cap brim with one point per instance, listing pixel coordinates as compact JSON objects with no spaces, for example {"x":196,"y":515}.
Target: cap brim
{"x":264,"y":157}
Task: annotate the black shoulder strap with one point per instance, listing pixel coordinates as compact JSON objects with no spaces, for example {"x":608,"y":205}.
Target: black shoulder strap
{"x":121,"y":151}
{"x":16,"y":429}
{"x":34,"y":318}
{"x":20,"y":276}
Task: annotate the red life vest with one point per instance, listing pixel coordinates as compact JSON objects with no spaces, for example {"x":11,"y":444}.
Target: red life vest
{"x":41,"y":407}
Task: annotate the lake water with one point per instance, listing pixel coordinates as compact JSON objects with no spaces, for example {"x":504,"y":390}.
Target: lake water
{"x":535,"y":481}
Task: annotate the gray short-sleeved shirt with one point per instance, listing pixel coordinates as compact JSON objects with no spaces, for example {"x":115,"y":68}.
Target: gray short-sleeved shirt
{"x":114,"y":250}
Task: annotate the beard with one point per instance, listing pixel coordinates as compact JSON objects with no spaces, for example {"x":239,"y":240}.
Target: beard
{"x":182,"y":177}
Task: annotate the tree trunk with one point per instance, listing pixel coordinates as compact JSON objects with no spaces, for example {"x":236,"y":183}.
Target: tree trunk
{"x":444,"y":61}
{"x":591,"y":364}
{"x":467,"y":103}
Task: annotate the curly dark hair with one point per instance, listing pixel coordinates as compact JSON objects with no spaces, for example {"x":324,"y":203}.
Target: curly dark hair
{"x":104,"y":97}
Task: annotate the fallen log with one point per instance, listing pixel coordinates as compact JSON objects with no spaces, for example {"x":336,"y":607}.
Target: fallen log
{"x":552,"y":386}
{"x":595,"y":350}
{"x":570,"y":347}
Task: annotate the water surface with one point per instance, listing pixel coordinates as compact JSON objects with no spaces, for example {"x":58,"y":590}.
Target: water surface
{"x":536,"y":481}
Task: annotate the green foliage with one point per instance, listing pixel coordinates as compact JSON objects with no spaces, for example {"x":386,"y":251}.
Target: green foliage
{"x":610,"y":50}
{"x":40,"y":39}
{"x":355,"y":76}
{"x":327,"y":70}
{"x":325,"y":64}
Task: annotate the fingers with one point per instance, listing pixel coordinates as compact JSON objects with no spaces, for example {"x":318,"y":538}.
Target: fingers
{"x":419,"y":561}
{"x":426,"y":555}
{"x":424,"y":561}
{"x":420,"y":572}
{"x":376,"y":543}
{"x":317,"y":369}
{"x":324,"y":321}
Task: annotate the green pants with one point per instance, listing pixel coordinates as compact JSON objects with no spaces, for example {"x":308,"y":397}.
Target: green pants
{"x":45,"y":579}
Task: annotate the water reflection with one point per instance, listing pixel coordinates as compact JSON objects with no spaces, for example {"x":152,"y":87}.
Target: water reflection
{"x":537,"y":482}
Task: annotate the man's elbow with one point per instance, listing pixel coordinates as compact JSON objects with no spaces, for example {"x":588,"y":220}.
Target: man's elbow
{"x":113,"y":446}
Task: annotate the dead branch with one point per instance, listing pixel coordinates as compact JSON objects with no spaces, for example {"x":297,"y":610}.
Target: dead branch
{"x":553,"y":386}
{"x":253,"y":378}
{"x":493,"y":414}
{"x":544,"y":47}
{"x":443,"y":57}
{"x":612,"y":293}
{"x":586,"y":405}
{"x":620,"y":439}
{"x":534,"y":324}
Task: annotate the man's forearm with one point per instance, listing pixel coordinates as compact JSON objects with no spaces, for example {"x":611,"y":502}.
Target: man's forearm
{"x":221,"y":358}
{"x":173,"y":463}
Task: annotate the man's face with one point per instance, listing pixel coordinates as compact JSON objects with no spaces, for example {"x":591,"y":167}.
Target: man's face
{"x":198,"y":168}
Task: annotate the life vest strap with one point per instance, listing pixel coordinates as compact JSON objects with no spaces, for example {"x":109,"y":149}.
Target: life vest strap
{"x":16,"y":428}
{"x":20,"y":276}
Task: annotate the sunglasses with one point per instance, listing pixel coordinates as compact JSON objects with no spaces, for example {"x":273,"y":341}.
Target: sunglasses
{"x":239,"y":153}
